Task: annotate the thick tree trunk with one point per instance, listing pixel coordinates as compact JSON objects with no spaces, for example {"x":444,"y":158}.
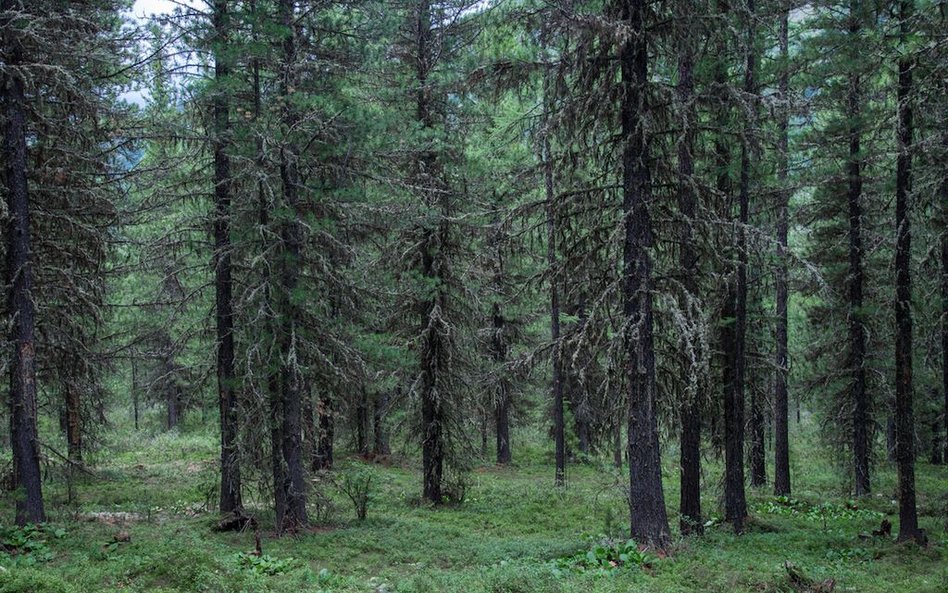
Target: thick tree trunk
{"x":690,"y":502}
{"x":434,"y":355}
{"x":646,"y":496}
{"x":782,"y":359}
{"x":857,"y":330}
{"x":904,"y":424}
{"x":291,"y":238}
{"x":25,"y":444}
{"x":230,"y":500}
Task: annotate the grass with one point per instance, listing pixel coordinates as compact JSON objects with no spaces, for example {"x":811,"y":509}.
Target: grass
{"x":513,"y":534}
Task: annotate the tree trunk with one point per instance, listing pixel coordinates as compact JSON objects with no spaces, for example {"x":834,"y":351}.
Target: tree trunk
{"x":944,"y":296}
{"x":25,"y":444}
{"x":690,"y":502}
{"x":380,"y":444}
{"x":434,"y":355}
{"x":758,"y":472}
{"x":73,"y":422}
{"x":502,"y":403}
{"x":230,"y":500}
{"x":735,"y":502}
{"x":291,"y":237}
{"x":362,"y":422}
{"x":782,"y":360}
{"x":646,"y":496}
{"x":556,"y":379}
{"x":857,"y":330}
{"x":904,"y":425}
{"x":324,"y":440}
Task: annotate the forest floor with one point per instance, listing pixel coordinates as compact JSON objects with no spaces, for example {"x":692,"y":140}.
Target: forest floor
{"x":513,"y":533}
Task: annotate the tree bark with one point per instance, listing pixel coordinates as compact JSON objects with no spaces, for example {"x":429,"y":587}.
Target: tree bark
{"x":73,"y":422}
{"x":499,"y":351}
{"x":24,"y":440}
{"x":230,"y":499}
{"x":690,"y":459}
{"x":380,"y":444}
{"x":646,"y":497}
{"x":782,"y":359}
{"x":323,"y":458}
{"x":291,"y":238}
{"x":857,"y":330}
{"x":904,"y":424}
{"x":735,"y":502}
{"x":362,"y":422}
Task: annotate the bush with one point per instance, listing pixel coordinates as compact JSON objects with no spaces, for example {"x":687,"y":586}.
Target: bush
{"x":356,"y":484}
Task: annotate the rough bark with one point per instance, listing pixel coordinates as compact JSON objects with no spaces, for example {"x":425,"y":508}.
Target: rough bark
{"x":230,"y":500}
{"x":291,"y":238}
{"x":735,"y":502}
{"x":781,"y":361}
{"x":502,"y":401}
{"x":904,"y":425}
{"x":857,"y":331}
{"x":380,"y":444}
{"x":690,"y":459}
{"x":26,"y":469}
{"x":646,"y":496}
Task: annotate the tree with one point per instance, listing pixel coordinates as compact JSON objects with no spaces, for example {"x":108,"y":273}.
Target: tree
{"x":647,"y":499}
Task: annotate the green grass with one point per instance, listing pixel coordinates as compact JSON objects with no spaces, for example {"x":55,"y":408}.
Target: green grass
{"x":505,"y":537}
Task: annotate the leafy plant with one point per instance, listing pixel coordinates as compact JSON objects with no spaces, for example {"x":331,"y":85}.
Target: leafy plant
{"x":265,"y":564}
{"x":356,"y":484}
{"x":604,"y":557}
{"x":28,"y":544}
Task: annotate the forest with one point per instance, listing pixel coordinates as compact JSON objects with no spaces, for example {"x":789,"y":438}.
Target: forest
{"x":507,"y":296}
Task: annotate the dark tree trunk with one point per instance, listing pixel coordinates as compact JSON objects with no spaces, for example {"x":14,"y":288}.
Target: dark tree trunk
{"x":172,"y":407}
{"x":690,"y":503}
{"x":322,"y":460}
{"x":19,"y":265}
{"x":617,"y":445}
{"x":135,"y":391}
{"x":857,"y":330}
{"x":291,"y":237}
{"x":434,"y":354}
{"x":782,"y":360}
{"x":380,"y":444}
{"x":944,"y":297}
{"x":230,"y":501}
{"x":73,"y":422}
{"x":499,"y":351}
{"x":362,"y":422}
{"x":646,"y":496}
{"x":758,"y":475}
{"x":556,"y":379}
{"x":735,"y":502}
{"x":276,"y":449}
{"x":904,"y":425}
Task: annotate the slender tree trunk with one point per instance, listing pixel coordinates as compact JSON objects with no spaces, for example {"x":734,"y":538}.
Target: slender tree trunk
{"x":782,"y":359}
{"x":291,"y":237}
{"x":73,"y":422}
{"x":904,"y":425}
{"x":758,"y":470}
{"x":26,"y":468}
{"x":362,"y":422}
{"x":617,"y":445}
{"x":323,"y":458}
{"x":944,"y":296}
{"x":646,"y":496}
{"x":230,"y":500}
{"x":135,"y":391}
{"x":735,"y":502}
{"x":857,"y":330}
{"x":499,"y":351}
{"x":690,"y":503}
{"x":380,"y":444}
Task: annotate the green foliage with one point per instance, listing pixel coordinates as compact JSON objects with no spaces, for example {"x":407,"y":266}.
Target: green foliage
{"x":357,"y":484}
{"x":32,"y":581}
{"x":784,"y":505}
{"x":604,"y":557}
{"x":28,"y":545}
{"x":265,"y":564}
